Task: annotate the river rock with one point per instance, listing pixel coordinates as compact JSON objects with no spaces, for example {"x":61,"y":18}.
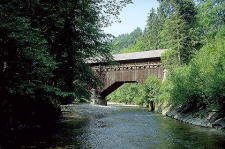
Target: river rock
{"x":159,"y":108}
{"x":166,"y":110}
{"x":212,"y":116}
{"x":219,"y":124}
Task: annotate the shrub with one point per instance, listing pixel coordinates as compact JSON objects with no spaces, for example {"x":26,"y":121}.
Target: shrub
{"x":164,"y":92}
{"x":183,"y":86}
{"x":125,"y":94}
{"x":151,"y":88}
{"x":209,"y":69}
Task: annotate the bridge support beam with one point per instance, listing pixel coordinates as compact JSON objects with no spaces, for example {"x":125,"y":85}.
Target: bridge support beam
{"x":97,"y":99}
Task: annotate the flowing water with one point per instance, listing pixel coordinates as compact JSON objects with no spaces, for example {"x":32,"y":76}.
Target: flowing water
{"x":129,"y":128}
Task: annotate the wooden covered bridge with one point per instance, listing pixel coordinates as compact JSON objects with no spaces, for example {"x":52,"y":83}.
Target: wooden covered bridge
{"x":128,"y":68}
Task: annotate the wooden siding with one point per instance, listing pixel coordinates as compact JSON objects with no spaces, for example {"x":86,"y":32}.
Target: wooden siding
{"x":114,"y":76}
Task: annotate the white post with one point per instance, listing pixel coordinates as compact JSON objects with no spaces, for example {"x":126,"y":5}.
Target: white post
{"x":164,"y":74}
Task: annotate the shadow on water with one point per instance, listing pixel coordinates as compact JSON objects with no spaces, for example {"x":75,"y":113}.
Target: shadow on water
{"x":62,"y":135}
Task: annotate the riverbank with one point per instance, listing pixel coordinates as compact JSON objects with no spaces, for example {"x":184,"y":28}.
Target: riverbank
{"x":203,"y":118}
{"x":122,"y":104}
{"x":83,"y":111}
{"x":210,"y":119}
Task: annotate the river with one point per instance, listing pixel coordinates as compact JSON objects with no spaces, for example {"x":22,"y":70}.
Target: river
{"x":125,"y":127}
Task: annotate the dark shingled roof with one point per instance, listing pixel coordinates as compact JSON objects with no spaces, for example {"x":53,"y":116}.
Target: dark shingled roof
{"x":134,"y":55}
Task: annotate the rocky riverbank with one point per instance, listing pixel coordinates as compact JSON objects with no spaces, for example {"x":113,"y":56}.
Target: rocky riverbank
{"x":209,"y":119}
{"x":81,"y":111}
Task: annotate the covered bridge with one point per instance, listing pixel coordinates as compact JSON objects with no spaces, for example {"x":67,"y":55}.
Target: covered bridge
{"x":128,"y":68}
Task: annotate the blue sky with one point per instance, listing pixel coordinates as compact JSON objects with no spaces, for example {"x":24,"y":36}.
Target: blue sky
{"x":132,"y":16}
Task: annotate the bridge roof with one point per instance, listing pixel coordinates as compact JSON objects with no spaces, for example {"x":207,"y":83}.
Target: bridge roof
{"x":139,"y":55}
{"x":134,"y":56}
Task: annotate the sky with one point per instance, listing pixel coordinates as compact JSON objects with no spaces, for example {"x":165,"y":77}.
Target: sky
{"x":132,"y":16}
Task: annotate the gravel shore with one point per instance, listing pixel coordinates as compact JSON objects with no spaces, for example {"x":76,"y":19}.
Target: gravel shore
{"x":89,"y":110}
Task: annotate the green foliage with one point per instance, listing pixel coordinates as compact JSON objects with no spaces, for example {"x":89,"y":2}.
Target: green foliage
{"x":193,"y":32}
{"x":170,"y":60}
{"x":172,"y":26}
{"x":139,"y":46}
{"x":43,"y":49}
{"x":151,"y":88}
{"x":155,"y":21}
{"x":183,"y":90}
{"x":202,"y":80}
{"x":149,"y":40}
{"x":179,"y":30}
{"x":125,"y":41}
{"x":127,"y":93}
{"x":137,"y":93}
{"x":211,"y":14}
{"x":164,"y":92}
{"x":209,"y":65}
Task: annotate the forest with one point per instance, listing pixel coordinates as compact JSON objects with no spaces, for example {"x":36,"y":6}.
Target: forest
{"x":193,"y":32}
{"x":44,"y":46}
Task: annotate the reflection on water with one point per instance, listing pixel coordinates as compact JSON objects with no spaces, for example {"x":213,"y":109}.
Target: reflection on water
{"x":128,"y":128}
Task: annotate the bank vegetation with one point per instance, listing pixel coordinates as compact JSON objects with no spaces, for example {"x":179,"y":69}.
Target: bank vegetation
{"x":194,"y":33}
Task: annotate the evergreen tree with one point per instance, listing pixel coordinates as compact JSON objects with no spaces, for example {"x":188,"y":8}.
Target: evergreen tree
{"x":211,"y":17}
{"x":125,"y":41}
{"x":153,"y":29}
{"x":180,"y":29}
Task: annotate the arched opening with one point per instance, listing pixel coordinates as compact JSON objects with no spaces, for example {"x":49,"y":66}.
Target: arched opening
{"x":127,"y":93}
{"x":114,"y":87}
